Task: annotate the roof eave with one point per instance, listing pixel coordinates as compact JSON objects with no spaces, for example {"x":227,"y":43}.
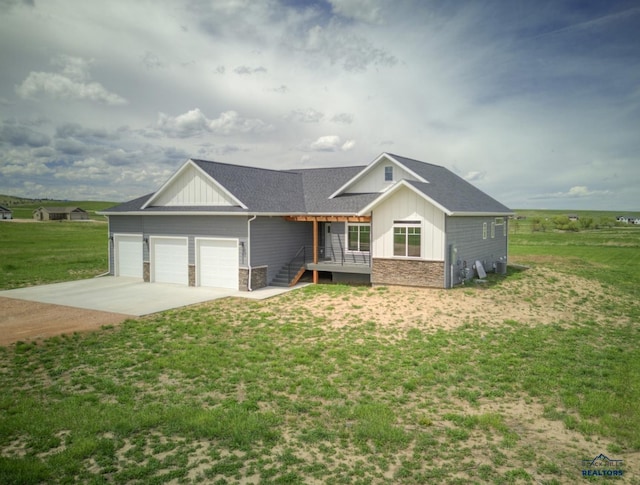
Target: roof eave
{"x":394,"y":188}
{"x":480,"y":213}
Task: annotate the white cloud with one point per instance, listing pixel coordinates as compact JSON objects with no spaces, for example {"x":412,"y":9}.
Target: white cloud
{"x":308,"y":115}
{"x":194,"y":123}
{"x":346,"y":118}
{"x":72,"y":83}
{"x":353,"y":51}
{"x":348,"y":145}
{"x":327,"y":143}
{"x":474,"y":176}
{"x":576,"y":192}
{"x":331,"y":143}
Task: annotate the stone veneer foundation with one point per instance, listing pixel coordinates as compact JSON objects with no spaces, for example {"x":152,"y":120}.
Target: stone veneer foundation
{"x":407,"y":272}
{"x":146,"y":272}
{"x":192,"y":275}
{"x":258,"y":278}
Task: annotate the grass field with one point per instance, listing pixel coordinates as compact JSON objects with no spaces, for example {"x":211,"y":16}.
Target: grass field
{"x":513,"y":382}
{"x":46,"y":252}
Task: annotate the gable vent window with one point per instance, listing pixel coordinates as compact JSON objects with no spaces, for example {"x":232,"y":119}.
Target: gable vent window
{"x":388,"y":174}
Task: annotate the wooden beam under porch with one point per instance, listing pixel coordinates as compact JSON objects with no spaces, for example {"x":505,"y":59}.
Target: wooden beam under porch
{"x":328,"y":218}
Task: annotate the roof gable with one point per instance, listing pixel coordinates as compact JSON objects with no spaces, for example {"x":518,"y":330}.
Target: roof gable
{"x":191,"y":186}
{"x":207,"y":187}
{"x":372,"y":178}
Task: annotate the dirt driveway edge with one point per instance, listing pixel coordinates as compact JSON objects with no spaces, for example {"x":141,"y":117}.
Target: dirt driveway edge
{"x":26,"y":321}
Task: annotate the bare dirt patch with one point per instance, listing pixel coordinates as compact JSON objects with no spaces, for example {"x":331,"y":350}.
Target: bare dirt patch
{"x":544,"y":296}
{"x":22,"y":320}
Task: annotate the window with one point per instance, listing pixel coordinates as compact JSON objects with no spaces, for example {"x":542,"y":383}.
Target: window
{"x":493,"y":230}
{"x":359,"y":237}
{"x":388,"y":174}
{"x":406,"y":240}
{"x":484,"y":230}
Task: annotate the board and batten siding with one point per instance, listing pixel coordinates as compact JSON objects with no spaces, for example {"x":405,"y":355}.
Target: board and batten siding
{"x":466,"y":234}
{"x":191,"y":226}
{"x":191,"y":187}
{"x":275,"y":241}
{"x":373,"y":181}
{"x":408,"y":206}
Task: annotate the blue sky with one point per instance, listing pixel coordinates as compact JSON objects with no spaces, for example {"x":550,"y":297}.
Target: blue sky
{"x":535,"y":102}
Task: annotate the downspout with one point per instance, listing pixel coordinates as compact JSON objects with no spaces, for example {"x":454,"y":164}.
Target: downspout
{"x":249,"y":251}
{"x":110,"y":243}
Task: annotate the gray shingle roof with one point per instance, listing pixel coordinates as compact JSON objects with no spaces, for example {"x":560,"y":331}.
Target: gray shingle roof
{"x":307,"y":190}
{"x":450,"y":190}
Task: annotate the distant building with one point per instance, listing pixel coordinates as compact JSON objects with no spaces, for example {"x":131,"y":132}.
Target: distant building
{"x":628,"y":219}
{"x":60,"y":214}
{"x":573,"y":217}
{"x":5,"y":213}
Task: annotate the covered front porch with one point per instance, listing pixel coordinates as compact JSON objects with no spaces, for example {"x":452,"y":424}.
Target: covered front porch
{"x":335,"y":251}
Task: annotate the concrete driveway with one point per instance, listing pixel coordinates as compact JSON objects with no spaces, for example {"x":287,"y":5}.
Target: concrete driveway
{"x":129,"y":296}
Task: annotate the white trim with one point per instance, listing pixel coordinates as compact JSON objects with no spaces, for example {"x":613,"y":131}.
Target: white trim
{"x":187,"y":164}
{"x":393,"y":190}
{"x":370,"y":167}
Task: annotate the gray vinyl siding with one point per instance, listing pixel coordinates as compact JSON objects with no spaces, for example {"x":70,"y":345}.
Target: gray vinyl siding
{"x":466,"y":234}
{"x":275,"y":241}
{"x":338,"y":250}
{"x":338,"y":241}
{"x":183,"y":226}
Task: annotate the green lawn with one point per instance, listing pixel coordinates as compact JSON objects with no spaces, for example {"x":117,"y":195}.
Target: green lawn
{"x":46,"y":252}
{"x":337,"y":384}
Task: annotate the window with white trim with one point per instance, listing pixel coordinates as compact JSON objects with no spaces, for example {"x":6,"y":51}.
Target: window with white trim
{"x":407,"y":239}
{"x":484,"y":230}
{"x":358,"y":237}
{"x":493,"y":230}
{"x":388,"y":173}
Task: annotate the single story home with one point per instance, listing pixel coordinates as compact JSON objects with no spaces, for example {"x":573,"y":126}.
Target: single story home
{"x":628,"y":219}
{"x":5,"y":213}
{"x":395,"y":221}
{"x":60,"y":214}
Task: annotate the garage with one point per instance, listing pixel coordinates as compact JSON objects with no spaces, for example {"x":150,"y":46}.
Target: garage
{"x":169,"y":260}
{"x":128,"y":255}
{"x":217,"y":263}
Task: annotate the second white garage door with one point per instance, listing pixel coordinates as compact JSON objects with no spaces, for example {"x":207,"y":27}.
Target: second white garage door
{"x":169,"y":260}
{"x":217,"y":263}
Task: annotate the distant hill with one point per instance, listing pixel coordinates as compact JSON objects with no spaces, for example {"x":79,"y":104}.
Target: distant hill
{"x":23,"y":207}
{"x":11,"y":200}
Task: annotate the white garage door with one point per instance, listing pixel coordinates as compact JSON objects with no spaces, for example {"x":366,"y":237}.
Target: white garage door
{"x":217,"y":263}
{"x":128,"y":255}
{"x":169,"y":260}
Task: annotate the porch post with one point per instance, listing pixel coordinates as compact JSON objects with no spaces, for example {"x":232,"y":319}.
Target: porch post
{"x":315,"y":248}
